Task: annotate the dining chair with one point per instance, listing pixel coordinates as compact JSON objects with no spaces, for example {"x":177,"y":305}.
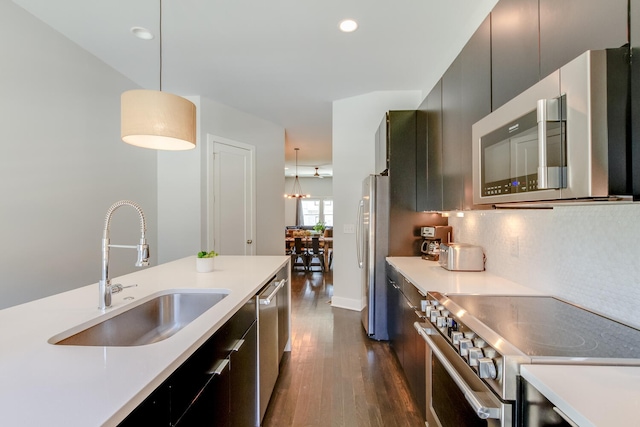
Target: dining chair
{"x":299,"y":255}
{"x":315,"y":252}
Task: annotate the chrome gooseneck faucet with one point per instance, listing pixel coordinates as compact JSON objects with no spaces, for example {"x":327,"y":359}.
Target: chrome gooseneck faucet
{"x":105,"y":287}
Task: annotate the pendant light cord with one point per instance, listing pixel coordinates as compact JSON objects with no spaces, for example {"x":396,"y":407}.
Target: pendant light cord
{"x":160,"y":36}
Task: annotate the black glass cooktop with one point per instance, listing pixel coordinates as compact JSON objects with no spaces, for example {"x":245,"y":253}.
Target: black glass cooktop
{"x":546,"y":326}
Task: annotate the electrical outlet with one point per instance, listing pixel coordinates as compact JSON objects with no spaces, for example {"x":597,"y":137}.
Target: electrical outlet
{"x":349,"y":228}
{"x":514,"y":246}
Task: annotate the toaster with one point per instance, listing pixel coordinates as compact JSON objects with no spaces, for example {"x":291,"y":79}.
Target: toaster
{"x":461,"y":257}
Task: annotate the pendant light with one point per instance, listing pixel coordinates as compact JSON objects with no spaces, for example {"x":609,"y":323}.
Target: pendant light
{"x":296,"y":192}
{"x":157,"y":119}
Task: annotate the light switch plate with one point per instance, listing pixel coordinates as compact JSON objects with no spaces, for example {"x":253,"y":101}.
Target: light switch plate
{"x":349,"y":228}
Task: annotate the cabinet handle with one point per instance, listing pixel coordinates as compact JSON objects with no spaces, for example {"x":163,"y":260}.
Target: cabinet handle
{"x":237,"y":346}
{"x":219,"y":367}
{"x":420,"y":315}
{"x":267,"y":300}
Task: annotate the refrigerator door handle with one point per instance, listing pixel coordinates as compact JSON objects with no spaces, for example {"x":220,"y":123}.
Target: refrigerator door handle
{"x":359,"y":225}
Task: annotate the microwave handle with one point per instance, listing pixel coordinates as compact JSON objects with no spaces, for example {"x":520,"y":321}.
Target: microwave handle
{"x":548,"y":110}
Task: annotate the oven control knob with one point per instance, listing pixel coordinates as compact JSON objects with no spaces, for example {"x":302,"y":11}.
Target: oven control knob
{"x":479,"y":342}
{"x":475,"y":354}
{"x":427,"y":310}
{"x":445,"y":312}
{"x":456,"y":336}
{"x":434,"y":315}
{"x":441,"y":321}
{"x":487,"y":368}
{"x":469,"y":334}
{"x":489,"y":352}
{"x":465,"y":345}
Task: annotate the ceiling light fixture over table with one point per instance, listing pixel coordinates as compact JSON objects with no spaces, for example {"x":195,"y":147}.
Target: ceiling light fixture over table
{"x":296,"y":192}
{"x":156,"y":119}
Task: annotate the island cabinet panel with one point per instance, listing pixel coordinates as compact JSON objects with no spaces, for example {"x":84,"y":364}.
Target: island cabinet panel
{"x":568,"y":28}
{"x":514,"y":48}
{"x":215,"y":386}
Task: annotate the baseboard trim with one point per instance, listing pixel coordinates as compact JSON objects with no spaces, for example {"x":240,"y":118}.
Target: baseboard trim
{"x":348,"y":303}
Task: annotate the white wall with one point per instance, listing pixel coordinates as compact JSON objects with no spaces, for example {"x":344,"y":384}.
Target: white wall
{"x":355,"y":121}
{"x":585,"y":254}
{"x":182,"y":182}
{"x":317,"y":187}
{"x":62,"y":163}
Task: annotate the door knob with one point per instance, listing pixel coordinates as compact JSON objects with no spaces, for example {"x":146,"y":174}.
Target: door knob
{"x":249,"y":242}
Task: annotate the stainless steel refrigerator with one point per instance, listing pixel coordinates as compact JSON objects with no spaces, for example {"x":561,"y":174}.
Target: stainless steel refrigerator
{"x":372,"y":240}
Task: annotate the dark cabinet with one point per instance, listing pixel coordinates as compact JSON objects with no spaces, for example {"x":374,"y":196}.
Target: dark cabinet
{"x":404,"y":305}
{"x":514,"y":48}
{"x":429,"y":152}
{"x":475,"y":88}
{"x":215,"y":386}
{"x":570,"y":27}
{"x":243,"y":381}
{"x":452,"y":135}
{"x":462,"y":97}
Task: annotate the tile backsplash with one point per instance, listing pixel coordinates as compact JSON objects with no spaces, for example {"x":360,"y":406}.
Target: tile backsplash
{"x":588,"y":255}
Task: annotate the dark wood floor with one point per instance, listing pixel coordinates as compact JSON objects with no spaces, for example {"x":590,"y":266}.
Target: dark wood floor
{"x":335,"y":375}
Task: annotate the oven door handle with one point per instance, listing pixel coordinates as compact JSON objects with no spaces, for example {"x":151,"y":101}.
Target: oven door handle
{"x":482,"y":411}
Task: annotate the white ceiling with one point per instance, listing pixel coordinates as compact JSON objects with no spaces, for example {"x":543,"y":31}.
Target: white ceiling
{"x":282,"y":60}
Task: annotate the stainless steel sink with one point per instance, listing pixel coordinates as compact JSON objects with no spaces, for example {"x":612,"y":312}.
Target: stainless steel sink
{"x":152,"y":321}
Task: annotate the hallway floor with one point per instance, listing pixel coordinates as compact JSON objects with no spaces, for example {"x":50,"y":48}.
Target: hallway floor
{"x":335,"y":375}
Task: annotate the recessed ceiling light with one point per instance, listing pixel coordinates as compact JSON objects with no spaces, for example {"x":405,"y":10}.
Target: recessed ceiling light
{"x":348,"y":26}
{"x":142,"y":33}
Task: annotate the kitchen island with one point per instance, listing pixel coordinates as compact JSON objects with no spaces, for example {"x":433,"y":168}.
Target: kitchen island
{"x":61,"y":385}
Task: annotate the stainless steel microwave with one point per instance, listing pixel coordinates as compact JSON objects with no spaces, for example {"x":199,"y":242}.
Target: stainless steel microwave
{"x":548,"y":143}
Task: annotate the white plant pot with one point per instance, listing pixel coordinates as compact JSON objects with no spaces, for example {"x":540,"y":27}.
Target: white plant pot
{"x":204,"y":265}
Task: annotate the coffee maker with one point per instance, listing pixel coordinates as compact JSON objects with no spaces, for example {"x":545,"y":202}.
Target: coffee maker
{"x":432,"y":237}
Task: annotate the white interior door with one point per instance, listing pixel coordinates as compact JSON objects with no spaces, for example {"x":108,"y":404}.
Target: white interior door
{"x":233,"y":207}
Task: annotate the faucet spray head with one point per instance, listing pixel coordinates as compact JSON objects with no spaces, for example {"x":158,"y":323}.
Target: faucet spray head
{"x":143,"y":254}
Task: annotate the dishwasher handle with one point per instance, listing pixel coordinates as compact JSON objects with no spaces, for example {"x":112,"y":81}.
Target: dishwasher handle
{"x":267,"y":300}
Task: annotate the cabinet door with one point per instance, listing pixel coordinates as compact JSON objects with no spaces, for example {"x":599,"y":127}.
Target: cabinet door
{"x":414,"y":355}
{"x":570,"y":27}
{"x":429,"y":152}
{"x":211,"y":406}
{"x":476,"y":99}
{"x":452,"y":173}
{"x":514,"y":48}
{"x":154,"y":411}
{"x":392,"y":310}
{"x":243,"y":384}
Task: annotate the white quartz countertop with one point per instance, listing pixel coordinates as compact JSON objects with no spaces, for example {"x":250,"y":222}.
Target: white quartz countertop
{"x":429,"y":276}
{"x":55,"y":385}
{"x":602,"y":396}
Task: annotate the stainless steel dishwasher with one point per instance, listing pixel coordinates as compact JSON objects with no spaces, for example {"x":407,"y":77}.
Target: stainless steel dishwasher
{"x":270,"y":298}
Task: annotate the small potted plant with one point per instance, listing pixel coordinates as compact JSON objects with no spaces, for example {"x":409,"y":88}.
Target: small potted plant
{"x":204,"y":261}
{"x":319,"y":228}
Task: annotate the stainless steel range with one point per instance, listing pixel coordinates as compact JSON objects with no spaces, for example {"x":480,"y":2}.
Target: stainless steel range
{"x":478,"y":343}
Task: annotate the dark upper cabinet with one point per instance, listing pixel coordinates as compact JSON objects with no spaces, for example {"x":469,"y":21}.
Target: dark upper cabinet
{"x":570,"y":27}
{"x":429,"y":152}
{"x":476,"y":98}
{"x":452,"y":135}
{"x":514,"y":48}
